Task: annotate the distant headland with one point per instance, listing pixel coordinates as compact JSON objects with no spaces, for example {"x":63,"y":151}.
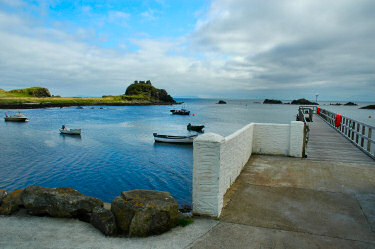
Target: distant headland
{"x":137,"y":93}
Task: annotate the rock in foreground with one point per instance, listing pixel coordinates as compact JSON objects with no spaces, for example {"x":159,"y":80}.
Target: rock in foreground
{"x":104,"y":220}
{"x":141,"y":213}
{"x":11,"y":203}
{"x":59,"y":202}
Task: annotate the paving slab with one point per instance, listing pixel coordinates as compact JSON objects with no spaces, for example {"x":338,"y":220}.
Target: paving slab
{"x":230,"y":235}
{"x":301,"y":210}
{"x":293,"y":172}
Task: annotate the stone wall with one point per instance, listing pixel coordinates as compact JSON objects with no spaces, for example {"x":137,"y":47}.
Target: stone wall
{"x":218,"y":161}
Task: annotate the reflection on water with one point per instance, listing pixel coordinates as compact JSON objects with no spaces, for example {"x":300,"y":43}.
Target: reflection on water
{"x":116,"y":150}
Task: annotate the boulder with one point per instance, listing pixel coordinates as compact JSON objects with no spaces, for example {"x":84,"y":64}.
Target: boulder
{"x":3,"y":194}
{"x":104,"y":220}
{"x":59,"y":202}
{"x":141,"y":213}
{"x":12,"y":202}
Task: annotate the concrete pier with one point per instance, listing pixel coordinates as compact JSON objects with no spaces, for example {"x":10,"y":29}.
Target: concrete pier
{"x":283,"y":202}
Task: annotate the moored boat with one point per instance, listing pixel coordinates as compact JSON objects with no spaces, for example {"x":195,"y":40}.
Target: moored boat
{"x":68,"y":131}
{"x":16,"y":118}
{"x":197,"y":128}
{"x":180,"y":112}
{"x":174,"y":139}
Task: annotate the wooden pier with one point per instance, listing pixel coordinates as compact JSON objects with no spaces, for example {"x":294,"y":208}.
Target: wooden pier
{"x":343,"y":144}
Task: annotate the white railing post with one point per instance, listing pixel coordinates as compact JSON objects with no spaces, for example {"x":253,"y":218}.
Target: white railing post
{"x":206,"y":174}
{"x":296,"y":139}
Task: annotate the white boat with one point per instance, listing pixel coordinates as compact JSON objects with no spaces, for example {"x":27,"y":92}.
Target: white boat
{"x":68,"y":131}
{"x":16,"y":118}
{"x":174,"y":139}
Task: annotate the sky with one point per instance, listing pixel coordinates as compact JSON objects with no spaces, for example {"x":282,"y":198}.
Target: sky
{"x":248,"y":49}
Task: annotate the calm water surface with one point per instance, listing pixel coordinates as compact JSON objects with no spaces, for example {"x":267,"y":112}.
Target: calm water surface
{"x":116,"y":151}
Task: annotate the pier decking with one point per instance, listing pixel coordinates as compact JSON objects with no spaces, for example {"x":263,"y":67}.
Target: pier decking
{"x":326,"y":144}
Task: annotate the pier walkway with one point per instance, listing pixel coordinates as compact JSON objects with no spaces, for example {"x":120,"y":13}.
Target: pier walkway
{"x":326,"y":144}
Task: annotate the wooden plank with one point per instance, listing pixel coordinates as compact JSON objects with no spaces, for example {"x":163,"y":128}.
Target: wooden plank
{"x":326,"y":144}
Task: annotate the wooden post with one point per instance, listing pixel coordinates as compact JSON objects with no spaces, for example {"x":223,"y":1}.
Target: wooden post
{"x":368,"y":141}
{"x":363,"y":134}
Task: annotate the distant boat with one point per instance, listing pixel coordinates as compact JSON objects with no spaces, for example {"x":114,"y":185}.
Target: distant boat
{"x":197,"y":128}
{"x":16,"y":118}
{"x":68,"y":131}
{"x":174,"y":139}
{"x":180,"y":112}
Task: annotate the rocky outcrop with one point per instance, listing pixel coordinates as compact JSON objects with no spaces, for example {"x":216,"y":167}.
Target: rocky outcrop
{"x":221,"y":102}
{"x":370,"y":107}
{"x":272,"y":101}
{"x":351,"y":103}
{"x":146,"y":89}
{"x":3,"y":194}
{"x":142,"y":213}
{"x":59,"y":202}
{"x":11,"y":203}
{"x":137,"y":213}
{"x":303,"y":102}
{"x":104,"y":220}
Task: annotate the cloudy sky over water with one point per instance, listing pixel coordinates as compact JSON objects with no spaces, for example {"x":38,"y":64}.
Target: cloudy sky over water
{"x":258,"y":49}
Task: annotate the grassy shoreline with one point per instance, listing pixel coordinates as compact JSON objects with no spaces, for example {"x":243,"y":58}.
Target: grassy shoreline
{"x":34,"y":102}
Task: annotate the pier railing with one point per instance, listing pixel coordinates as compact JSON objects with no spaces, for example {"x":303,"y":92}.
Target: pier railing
{"x":360,"y":134}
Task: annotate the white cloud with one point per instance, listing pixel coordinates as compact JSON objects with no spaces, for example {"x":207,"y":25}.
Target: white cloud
{"x":239,"y":49}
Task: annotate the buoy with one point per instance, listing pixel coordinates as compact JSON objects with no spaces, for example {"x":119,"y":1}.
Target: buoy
{"x":338,"y":120}
{"x":193,"y":114}
{"x":369,"y":116}
{"x":318,"y":110}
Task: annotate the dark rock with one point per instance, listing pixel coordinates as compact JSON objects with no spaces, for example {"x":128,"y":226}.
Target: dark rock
{"x":12,"y":202}
{"x":104,"y":220}
{"x":3,"y":194}
{"x":142,"y":88}
{"x":351,"y":103}
{"x":145,"y":212}
{"x":272,"y":101}
{"x":335,"y":104}
{"x":221,"y":102}
{"x":60,"y":202}
{"x":123,"y":214}
{"x":303,"y":102}
{"x":371,"y":107}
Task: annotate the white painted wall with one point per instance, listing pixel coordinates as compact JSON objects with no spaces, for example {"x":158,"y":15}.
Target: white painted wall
{"x":218,"y":161}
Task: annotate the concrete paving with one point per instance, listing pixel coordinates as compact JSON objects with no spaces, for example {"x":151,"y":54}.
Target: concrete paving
{"x":280,"y":202}
{"x":276,"y":202}
{"x":29,"y":232}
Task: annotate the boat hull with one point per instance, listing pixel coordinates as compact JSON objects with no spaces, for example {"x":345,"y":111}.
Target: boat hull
{"x":16,"y":119}
{"x":70,"y":131}
{"x":174,"y":139}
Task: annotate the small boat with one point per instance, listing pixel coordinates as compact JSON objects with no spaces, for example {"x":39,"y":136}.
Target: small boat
{"x":197,"y":128}
{"x":68,"y":131}
{"x":180,"y":112}
{"x":16,"y":118}
{"x":174,"y":139}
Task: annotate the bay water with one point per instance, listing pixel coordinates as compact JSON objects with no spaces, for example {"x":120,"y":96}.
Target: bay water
{"x":116,"y":150}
